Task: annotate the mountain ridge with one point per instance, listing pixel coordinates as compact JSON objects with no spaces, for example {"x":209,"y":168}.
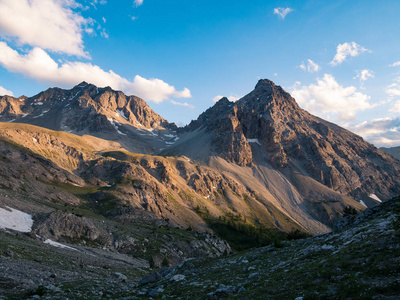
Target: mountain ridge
{"x":277,"y":154}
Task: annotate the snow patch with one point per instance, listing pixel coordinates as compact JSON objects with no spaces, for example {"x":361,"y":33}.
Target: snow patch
{"x":58,"y":245}
{"x":115,"y":124}
{"x":11,"y":121}
{"x":363,"y":204}
{"x":38,"y":103}
{"x":35,"y":140}
{"x":170,"y":135}
{"x":375,"y":197}
{"x":15,"y":219}
{"x":121,"y":112}
{"x":253,"y":141}
{"x":23,"y":116}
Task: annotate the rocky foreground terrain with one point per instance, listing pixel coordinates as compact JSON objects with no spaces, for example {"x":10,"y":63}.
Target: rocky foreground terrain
{"x":360,"y":259}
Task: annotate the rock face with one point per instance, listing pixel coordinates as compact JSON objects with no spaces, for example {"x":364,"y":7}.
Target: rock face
{"x":87,"y":109}
{"x":59,"y":226}
{"x":84,"y":107}
{"x":295,"y":141}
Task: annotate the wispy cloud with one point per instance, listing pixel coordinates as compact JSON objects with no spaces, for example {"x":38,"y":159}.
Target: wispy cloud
{"x":310,"y":67}
{"x":282,"y":12}
{"x":137,"y":3}
{"x":393,"y":90}
{"x":104,"y":33}
{"x":329,"y":97}
{"x":364,"y":75}
{"x":345,"y":50}
{"x":48,"y":24}
{"x":182,"y":104}
{"x":4,"y":91}
{"x":38,"y":64}
{"x":396,"y":64}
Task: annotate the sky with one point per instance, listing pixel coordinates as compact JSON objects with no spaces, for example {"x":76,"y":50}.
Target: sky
{"x":339,"y":59}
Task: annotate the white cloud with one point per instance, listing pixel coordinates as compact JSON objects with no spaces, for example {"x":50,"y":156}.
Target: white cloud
{"x":329,"y":97}
{"x":230,"y":98}
{"x":134,"y":18}
{"x":396,"y":64}
{"x":37,"y":64}
{"x":393,"y":90}
{"x":396,"y":107}
{"x":48,"y":24}
{"x":4,"y":91}
{"x":103,"y":2}
{"x":345,"y":50}
{"x":282,"y":12}
{"x":381,"y":132}
{"x":104,"y":20}
{"x":104,"y":33}
{"x":137,"y":2}
{"x":311,"y":66}
{"x":364,"y":75}
{"x":182,"y":104}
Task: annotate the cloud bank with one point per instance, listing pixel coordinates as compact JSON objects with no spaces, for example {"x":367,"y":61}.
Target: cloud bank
{"x":329,"y":97}
{"x":48,"y":24}
{"x":380,"y":132}
{"x":38,"y":64}
{"x":4,"y":91}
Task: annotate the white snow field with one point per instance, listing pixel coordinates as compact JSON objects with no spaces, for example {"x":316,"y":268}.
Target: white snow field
{"x":15,"y":219}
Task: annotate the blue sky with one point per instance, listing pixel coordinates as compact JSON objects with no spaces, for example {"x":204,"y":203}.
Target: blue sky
{"x":339,"y":59}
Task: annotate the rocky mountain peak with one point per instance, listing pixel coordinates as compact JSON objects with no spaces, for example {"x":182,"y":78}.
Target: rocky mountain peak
{"x":265,"y":84}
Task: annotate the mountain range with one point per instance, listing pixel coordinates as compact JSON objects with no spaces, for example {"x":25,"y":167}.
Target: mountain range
{"x":262,"y":157}
{"x":96,"y":168}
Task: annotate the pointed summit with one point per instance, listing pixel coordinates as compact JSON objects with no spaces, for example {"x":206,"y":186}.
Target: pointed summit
{"x":265,"y":84}
{"x":268,"y":87}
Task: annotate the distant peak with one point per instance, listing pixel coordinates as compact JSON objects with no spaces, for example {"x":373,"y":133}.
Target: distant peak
{"x":265,"y":84}
{"x":82,"y":84}
{"x":223,"y":100}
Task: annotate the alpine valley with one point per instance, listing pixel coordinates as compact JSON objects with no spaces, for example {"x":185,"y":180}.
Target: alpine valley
{"x":97,"y":190}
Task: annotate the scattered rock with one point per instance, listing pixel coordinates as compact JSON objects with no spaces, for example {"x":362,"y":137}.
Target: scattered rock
{"x":152,"y":277}
{"x":120,"y":276}
{"x":225,"y":289}
{"x":253,"y":275}
{"x":178,"y":277}
{"x":327,"y":247}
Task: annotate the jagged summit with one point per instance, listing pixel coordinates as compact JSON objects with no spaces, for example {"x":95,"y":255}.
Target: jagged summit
{"x":265,"y":84}
{"x":267,"y":123}
{"x":88,"y":109}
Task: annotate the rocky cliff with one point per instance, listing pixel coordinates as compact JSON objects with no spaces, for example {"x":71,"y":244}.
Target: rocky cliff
{"x":295,"y":141}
